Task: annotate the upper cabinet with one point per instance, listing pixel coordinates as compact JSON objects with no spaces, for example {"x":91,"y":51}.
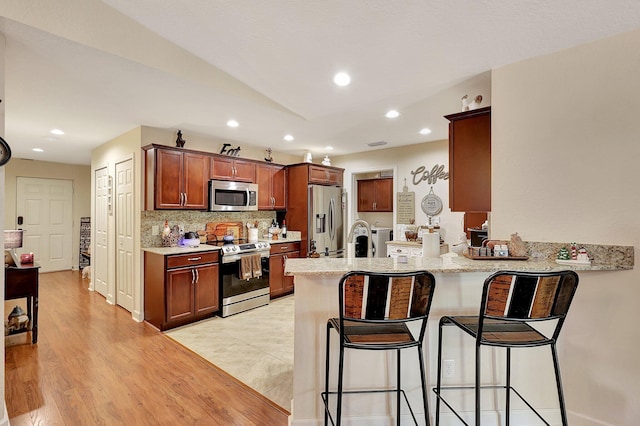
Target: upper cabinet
{"x":325,"y":175}
{"x":272,"y":186}
{"x":375,"y":195}
{"x":470,"y":160}
{"x":231,"y":168}
{"x":175,"y":178}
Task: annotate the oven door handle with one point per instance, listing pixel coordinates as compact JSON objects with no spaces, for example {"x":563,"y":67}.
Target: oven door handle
{"x":248,"y":197}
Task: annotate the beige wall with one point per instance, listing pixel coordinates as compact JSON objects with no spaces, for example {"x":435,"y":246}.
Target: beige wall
{"x":207,"y":144}
{"x":565,"y":168}
{"x":122,"y":148}
{"x":78,"y":174}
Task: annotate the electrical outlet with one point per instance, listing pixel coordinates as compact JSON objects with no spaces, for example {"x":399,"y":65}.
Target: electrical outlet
{"x":155,"y":230}
{"x":449,"y":368}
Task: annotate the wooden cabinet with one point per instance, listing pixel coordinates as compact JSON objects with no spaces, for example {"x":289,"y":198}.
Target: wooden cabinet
{"x":325,"y":175}
{"x":470,"y":160}
{"x":179,"y":289}
{"x":175,"y":178}
{"x":272,"y":186}
{"x":231,"y":168}
{"x":279,"y":284}
{"x":375,"y":195}
{"x":299,"y":177}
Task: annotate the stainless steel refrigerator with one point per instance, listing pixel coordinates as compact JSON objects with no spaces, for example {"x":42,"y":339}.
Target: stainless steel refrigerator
{"x":326,"y":215}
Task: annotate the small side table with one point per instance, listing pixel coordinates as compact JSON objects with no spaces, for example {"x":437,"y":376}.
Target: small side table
{"x":21,"y":281}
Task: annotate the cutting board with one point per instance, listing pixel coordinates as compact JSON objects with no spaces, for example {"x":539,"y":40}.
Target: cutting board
{"x":217,"y":230}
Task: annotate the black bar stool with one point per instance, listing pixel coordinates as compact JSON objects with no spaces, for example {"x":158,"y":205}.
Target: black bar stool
{"x":512,"y":302}
{"x":375,"y":310}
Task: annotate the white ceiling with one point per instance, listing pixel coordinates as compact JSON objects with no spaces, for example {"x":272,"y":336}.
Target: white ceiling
{"x":97,"y":69}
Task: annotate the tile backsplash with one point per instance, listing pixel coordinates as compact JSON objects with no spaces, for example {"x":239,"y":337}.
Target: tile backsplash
{"x":195,"y":221}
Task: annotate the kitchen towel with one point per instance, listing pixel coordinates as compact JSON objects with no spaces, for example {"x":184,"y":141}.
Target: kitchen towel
{"x":256,"y":265}
{"x":246,"y":268}
{"x":430,"y":244}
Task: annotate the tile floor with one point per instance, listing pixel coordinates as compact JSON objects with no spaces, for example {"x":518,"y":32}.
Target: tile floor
{"x":256,"y":347}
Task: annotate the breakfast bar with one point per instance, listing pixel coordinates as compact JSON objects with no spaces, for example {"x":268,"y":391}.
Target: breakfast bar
{"x":458,"y":291}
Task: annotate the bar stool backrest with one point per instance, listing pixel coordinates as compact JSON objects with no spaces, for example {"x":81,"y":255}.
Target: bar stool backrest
{"x":529,"y":296}
{"x":386,"y":297}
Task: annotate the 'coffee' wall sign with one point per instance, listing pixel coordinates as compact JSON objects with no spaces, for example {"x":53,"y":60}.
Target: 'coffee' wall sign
{"x":421,"y":174}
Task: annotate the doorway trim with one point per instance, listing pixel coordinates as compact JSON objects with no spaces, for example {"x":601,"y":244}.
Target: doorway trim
{"x":353,"y":189}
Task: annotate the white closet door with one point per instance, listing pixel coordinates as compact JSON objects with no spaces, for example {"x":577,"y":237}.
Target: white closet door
{"x":124,"y":234}
{"x":99,"y":272}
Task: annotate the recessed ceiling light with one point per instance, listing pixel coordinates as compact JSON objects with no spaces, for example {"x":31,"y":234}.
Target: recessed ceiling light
{"x":425,"y":131}
{"x":38,"y":150}
{"x":328,"y":148}
{"x":57,"y":132}
{"x":342,"y":79}
{"x":392,"y":114}
{"x":288,"y":138}
{"x":232,"y":123}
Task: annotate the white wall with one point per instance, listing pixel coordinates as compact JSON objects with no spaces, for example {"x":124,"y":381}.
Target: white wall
{"x":404,"y":160}
{"x":565,"y":155}
{"x":4,"y":417}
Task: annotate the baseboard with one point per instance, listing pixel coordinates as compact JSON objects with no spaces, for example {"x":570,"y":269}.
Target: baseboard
{"x":581,"y":419}
{"x":518,"y":418}
{"x":5,"y":417}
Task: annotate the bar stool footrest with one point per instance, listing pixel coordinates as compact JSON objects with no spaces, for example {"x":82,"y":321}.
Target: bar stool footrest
{"x":325,"y":399}
{"x":522,"y":398}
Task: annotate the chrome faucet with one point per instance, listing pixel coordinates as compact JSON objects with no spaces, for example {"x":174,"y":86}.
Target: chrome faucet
{"x":360,"y":222}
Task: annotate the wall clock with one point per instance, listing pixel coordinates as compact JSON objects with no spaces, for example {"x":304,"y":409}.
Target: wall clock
{"x":5,"y":152}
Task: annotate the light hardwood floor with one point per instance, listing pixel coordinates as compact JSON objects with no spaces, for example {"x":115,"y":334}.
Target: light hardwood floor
{"x":94,"y":365}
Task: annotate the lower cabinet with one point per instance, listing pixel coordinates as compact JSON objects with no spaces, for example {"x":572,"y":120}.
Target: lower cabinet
{"x":179,"y":289}
{"x":410,"y":249}
{"x":279,"y":284}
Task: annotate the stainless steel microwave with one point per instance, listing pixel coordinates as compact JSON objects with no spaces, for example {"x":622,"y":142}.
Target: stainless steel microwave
{"x":232,"y":196}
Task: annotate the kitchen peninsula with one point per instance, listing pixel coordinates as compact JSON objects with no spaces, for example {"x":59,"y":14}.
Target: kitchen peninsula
{"x":458,"y":291}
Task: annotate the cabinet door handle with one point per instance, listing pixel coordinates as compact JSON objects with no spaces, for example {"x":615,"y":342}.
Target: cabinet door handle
{"x":284,"y":260}
{"x":194,"y":259}
{"x":197,"y":276}
{"x":185,"y":199}
{"x":193,"y":276}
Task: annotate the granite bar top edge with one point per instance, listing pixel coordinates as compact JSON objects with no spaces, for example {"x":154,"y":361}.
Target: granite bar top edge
{"x":443,"y":264}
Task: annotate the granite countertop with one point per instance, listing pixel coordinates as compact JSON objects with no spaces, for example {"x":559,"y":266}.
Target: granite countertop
{"x":404,"y":243}
{"x":205,"y":247}
{"x":442,"y":264}
{"x":180,"y":250}
{"x":281,"y":240}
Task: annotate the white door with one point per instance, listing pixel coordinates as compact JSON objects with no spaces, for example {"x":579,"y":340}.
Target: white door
{"x":99,"y":273}
{"x":124,"y":234}
{"x":46,"y":207}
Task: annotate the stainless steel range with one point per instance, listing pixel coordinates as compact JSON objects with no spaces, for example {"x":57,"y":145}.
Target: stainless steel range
{"x":244,"y":276}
